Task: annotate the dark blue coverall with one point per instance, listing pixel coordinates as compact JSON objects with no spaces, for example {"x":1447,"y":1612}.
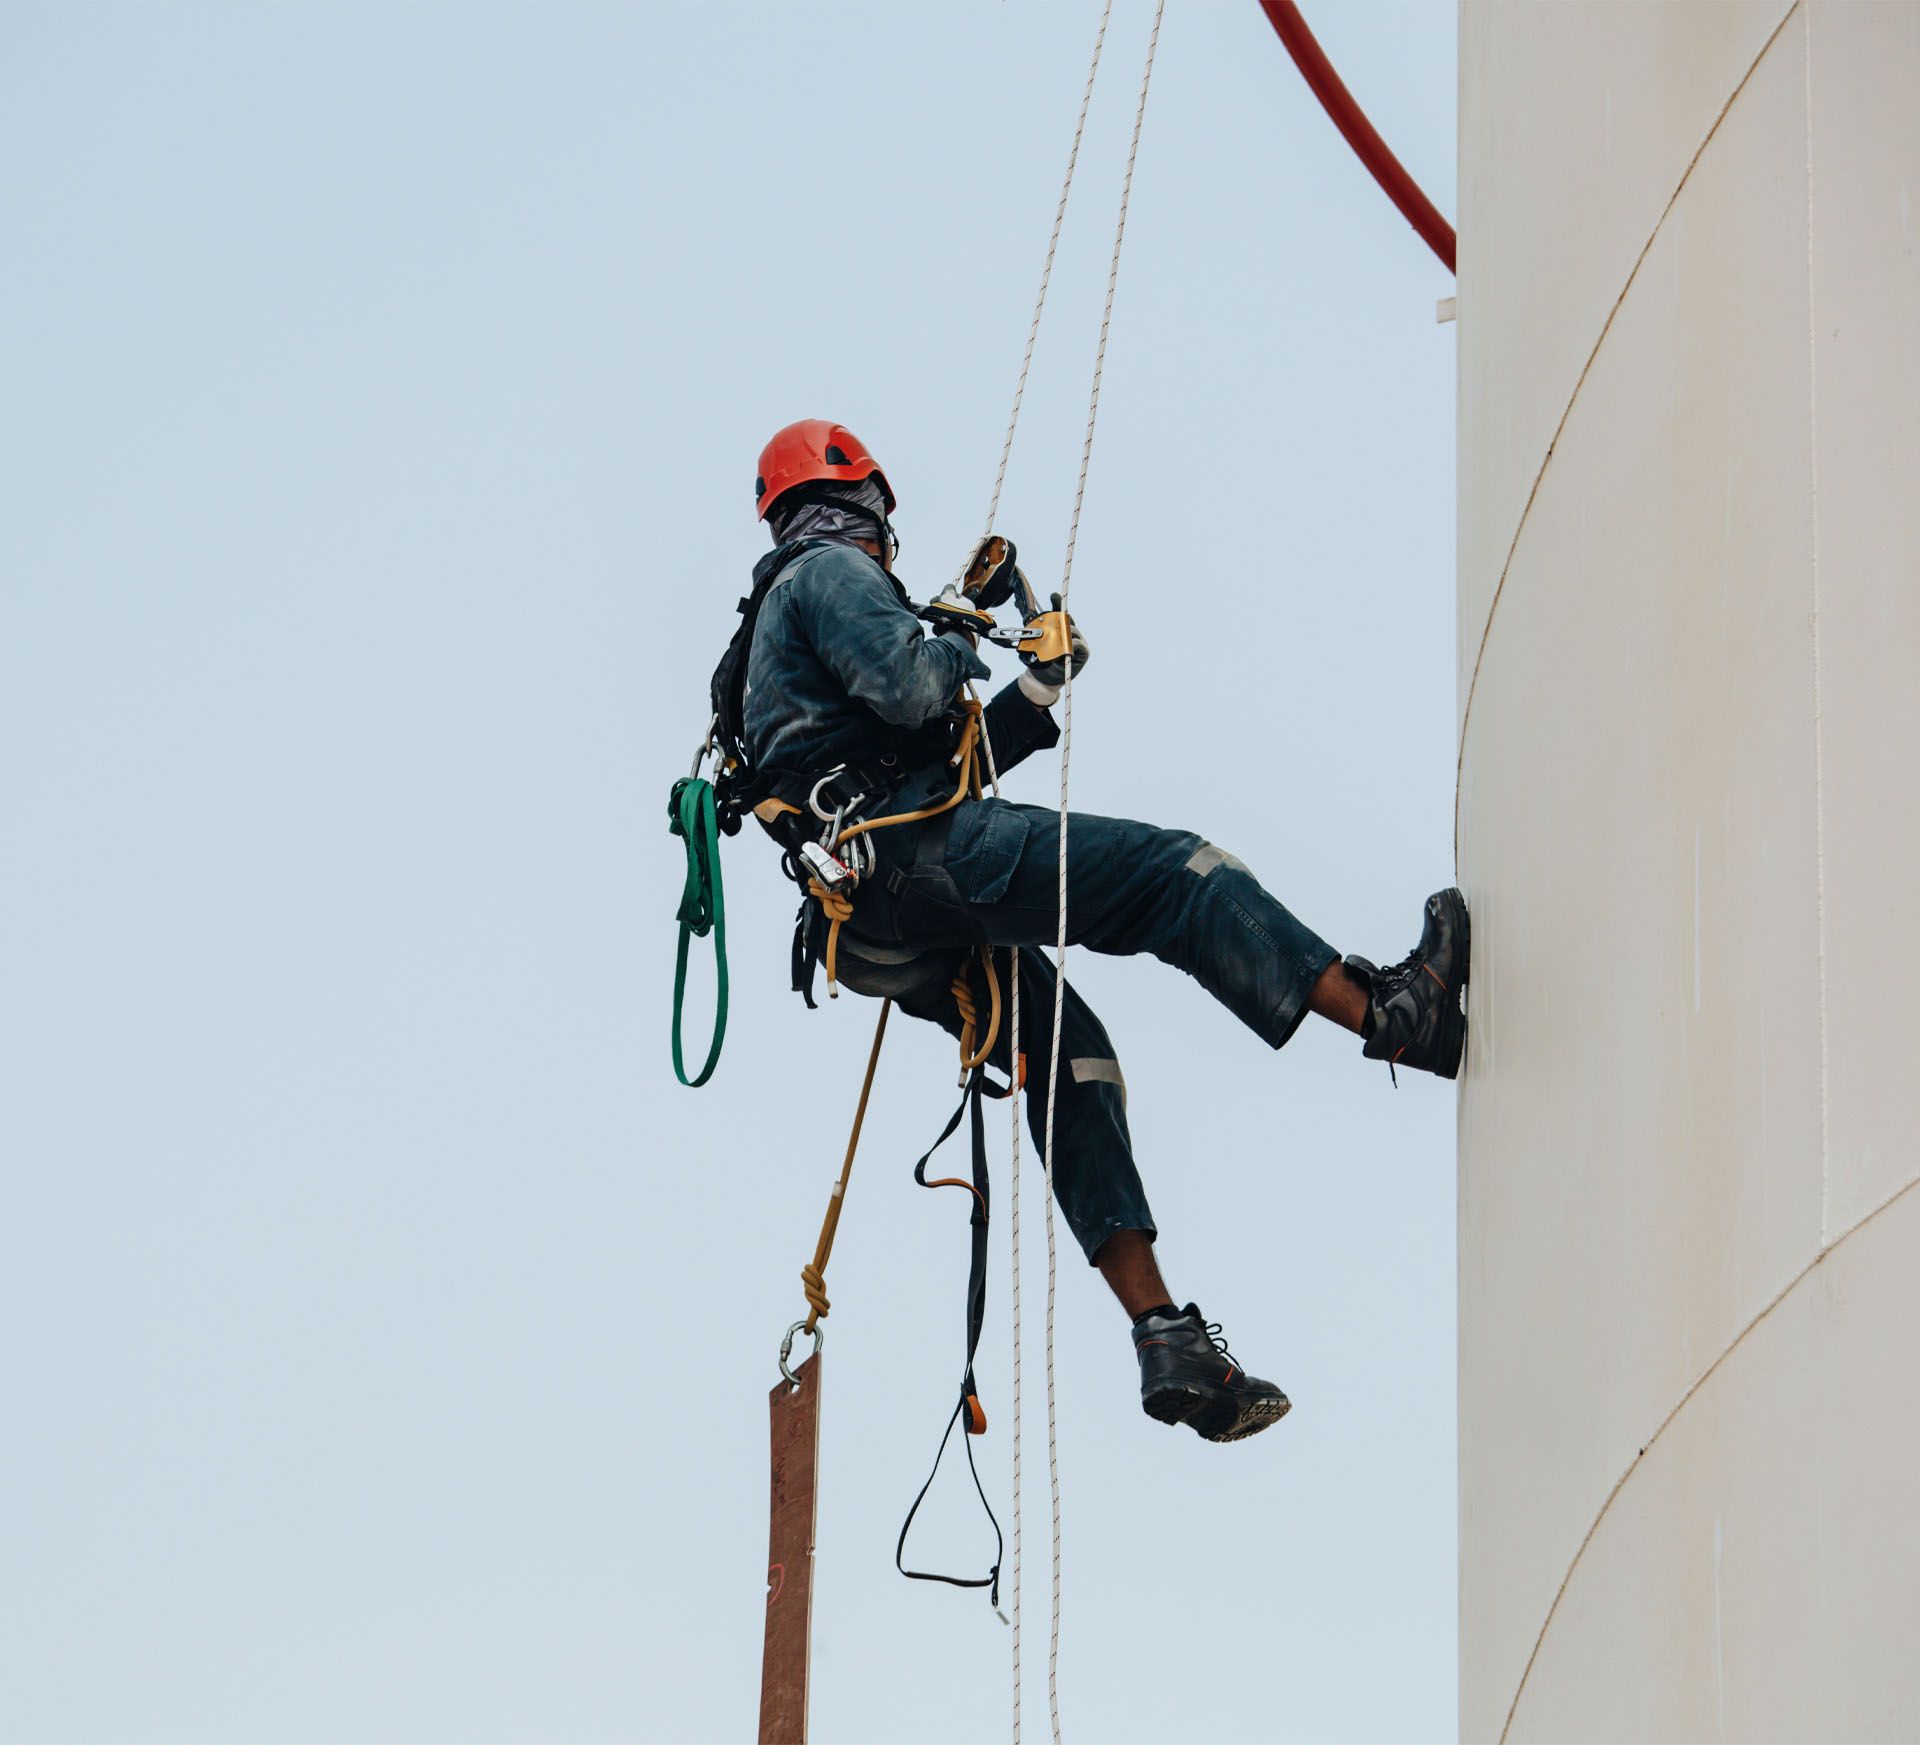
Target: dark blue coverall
{"x":841,"y":671}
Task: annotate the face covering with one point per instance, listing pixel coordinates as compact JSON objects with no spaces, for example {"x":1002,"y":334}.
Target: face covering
{"x":853,"y":514}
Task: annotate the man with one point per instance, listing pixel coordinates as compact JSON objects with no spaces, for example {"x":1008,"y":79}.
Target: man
{"x":849,"y":703}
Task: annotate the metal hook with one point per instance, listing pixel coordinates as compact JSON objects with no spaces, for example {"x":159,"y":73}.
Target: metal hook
{"x":813,"y":799}
{"x":706,"y":746}
{"x":786,"y":1349}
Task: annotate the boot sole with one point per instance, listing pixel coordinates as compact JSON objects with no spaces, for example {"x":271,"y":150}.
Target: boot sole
{"x":1454,"y":1034}
{"x":1178,"y":1405}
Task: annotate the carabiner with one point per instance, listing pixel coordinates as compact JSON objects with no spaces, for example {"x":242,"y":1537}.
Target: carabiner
{"x":706,"y":747}
{"x":786,"y":1348}
{"x":813,"y":799}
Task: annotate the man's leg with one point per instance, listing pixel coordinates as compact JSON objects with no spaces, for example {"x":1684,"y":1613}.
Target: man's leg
{"x":1127,"y":1263}
{"x":1095,"y":1178}
{"x":1187,"y":1376}
{"x":1132,"y":889}
{"x":1136,"y":888}
{"x":1341,"y":996}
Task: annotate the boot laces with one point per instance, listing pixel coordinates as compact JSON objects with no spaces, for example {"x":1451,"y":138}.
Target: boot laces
{"x":1398,"y":975}
{"x":1217,"y":1335}
{"x":1395,"y":979}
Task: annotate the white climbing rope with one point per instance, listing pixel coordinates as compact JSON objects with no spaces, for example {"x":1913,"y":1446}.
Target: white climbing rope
{"x":1066,"y":756}
{"x":1013,"y":1010}
{"x":1060,"y":943}
{"x":1046,"y":271}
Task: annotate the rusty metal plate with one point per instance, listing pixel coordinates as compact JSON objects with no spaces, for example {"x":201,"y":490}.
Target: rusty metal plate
{"x":795,"y":1416}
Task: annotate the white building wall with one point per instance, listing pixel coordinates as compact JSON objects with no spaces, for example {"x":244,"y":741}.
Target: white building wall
{"x":1689,"y":827}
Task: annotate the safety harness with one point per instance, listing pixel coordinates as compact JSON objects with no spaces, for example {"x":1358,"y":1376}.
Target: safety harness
{"x":822,"y":825}
{"x":818,"y":819}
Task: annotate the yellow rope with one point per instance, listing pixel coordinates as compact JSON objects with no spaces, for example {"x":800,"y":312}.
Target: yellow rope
{"x":838,"y":907}
{"x":813,"y":1277}
{"x":968,"y":786}
{"x":970,"y":1056}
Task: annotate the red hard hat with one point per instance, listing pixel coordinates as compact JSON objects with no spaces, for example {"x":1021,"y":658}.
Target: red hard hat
{"x":814,"y":449}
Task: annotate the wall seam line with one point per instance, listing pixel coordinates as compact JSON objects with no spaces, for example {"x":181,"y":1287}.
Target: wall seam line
{"x":1819,"y":728}
{"x":1679,"y":1406}
{"x":1559,"y":430}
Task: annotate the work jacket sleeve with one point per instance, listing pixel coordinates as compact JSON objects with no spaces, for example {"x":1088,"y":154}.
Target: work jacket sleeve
{"x":860,"y":627}
{"x":1018,"y":727}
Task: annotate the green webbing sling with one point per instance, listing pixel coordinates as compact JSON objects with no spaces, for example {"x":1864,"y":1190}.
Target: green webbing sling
{"x":703,"y":907}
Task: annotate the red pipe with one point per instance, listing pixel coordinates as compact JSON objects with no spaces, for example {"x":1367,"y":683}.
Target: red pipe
{"x":1368,"y":146}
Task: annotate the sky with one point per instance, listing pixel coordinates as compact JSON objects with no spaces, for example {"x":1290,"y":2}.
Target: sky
{"x":385,"y":1336}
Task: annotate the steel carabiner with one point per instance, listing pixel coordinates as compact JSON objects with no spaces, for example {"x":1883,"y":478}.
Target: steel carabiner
{"x":706,"y":748}
{"x":786,"y":1349}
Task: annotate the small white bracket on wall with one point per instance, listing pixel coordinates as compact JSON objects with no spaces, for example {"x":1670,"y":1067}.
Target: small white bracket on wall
{"x":1443,"y":311}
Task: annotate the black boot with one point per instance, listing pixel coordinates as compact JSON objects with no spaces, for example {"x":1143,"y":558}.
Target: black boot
{"x":1417,"y":1010}
{"x":1188,"y":1376}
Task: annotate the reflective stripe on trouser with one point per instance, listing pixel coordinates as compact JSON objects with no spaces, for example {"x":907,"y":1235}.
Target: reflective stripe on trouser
{"x":988,"y":872}
{"x":1094,"y":1177}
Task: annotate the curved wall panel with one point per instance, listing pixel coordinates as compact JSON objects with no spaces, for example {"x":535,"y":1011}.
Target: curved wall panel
{"x":1686,"y":825}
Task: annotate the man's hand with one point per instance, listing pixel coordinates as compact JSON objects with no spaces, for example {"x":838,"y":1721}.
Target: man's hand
{"x":952,"y":614}
{"x":1042,"y":681}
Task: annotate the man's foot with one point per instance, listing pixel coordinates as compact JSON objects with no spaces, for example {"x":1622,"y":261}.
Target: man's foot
{"x":1188,"y":1376}
{"x":1417,"y":1010}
